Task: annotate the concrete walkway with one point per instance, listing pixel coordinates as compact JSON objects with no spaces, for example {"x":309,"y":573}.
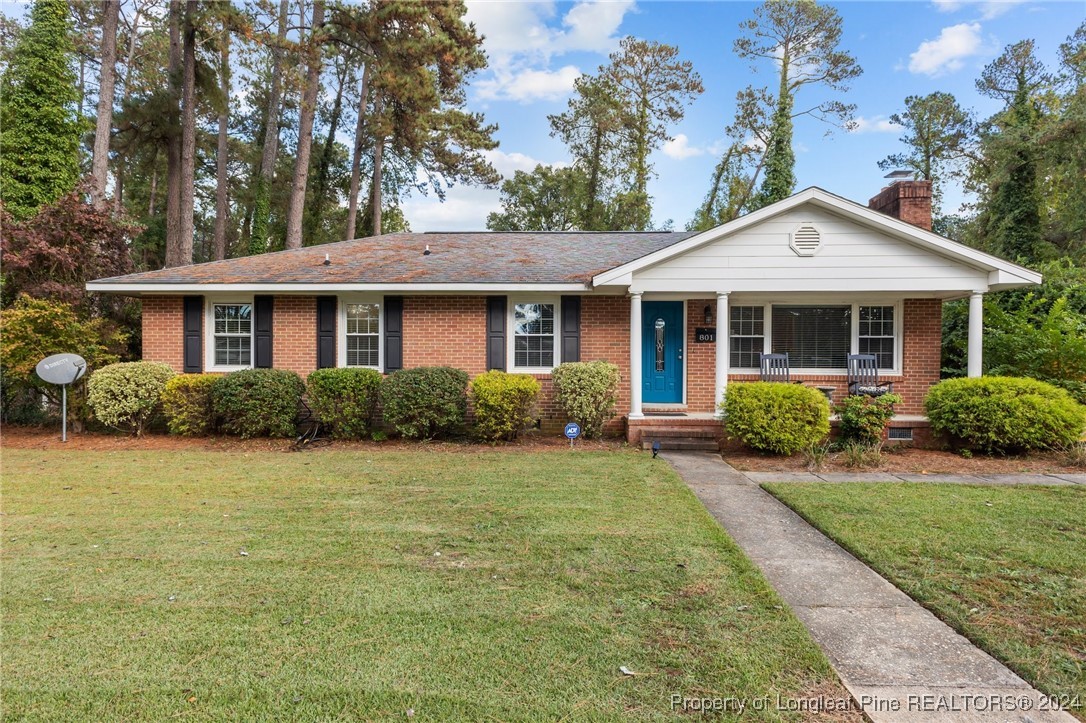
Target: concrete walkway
{"x":898,"y":661}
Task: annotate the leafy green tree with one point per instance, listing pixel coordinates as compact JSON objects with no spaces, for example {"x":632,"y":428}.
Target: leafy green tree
{"x":1009,"y":176}
{"x":937,"y":131}
{"x":1032,"y":342}
{"x":547,"y":199}
{"x":731,"y":186}
{"x":1064,"y":154}
{"x":802,"y":39}
{"x":39,"y":126}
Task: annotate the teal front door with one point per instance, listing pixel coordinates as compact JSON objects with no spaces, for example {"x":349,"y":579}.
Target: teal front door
{"x":662,"y":352}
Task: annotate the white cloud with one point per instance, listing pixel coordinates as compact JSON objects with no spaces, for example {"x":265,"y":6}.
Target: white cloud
{"x":465,"y":209}
{"x":995,"y":8}
{"x":527,"y":85}
{"x":875,"y":124}
{"x":509,"y":163}
{"x":521,"y":39}
{"x":947,"y":6}
{"x":947,"y":52}
{"x":680,"y":149}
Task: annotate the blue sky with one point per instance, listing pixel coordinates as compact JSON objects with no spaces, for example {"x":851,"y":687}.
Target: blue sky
{"x":537,"y":50}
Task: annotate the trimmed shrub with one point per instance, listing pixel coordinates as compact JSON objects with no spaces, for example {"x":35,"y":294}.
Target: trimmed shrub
{"x":587,"y":393}
{"x":126,"y":395}
{"x":864,"y":418}
{"x":503,"y":404}
{"x":186,"y":400}
{"x":425,"y":402}
{"x":776,"y":417}
{"x":1005,"y":414}
{"x":345,"y":399}
{"x":258,"y":402}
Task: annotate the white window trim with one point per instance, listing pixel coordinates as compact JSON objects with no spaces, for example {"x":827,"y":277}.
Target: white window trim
{"x":854,"y":344}
{"x":341,"y":331}
{"x":209,"y":332}
{"x":510,"y":341}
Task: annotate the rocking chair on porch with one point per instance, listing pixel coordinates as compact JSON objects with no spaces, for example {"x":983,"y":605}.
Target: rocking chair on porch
{"x":863,"y":376}
{"x":775,"y":368}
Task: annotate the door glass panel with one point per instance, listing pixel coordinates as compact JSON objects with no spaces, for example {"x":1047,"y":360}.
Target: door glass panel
{"x":660,"y":345}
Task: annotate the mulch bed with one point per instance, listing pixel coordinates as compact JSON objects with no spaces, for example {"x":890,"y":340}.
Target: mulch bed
{"x":12,"y":437}
{"x":917,"y":461}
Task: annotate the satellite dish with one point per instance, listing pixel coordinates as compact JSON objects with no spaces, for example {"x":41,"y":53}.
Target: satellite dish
{"x":61,"y":368}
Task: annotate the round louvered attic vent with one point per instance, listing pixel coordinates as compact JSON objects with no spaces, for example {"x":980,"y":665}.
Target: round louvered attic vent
{"x":806,"y":240}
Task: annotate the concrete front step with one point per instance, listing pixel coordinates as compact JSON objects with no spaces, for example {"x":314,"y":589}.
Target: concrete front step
{"x":687,"y":432}
{"x":682,"y":443}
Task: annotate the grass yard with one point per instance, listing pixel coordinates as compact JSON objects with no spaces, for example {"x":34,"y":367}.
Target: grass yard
{"x":1005,"y":566}
{"x":472,"y":586}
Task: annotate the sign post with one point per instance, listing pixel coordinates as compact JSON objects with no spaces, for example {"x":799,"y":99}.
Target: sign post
{"x":573,"y":430}
{"x":62,"y":369}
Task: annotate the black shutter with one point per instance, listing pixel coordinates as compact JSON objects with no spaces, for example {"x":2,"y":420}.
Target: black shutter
{"x":194,"y":334}
{"x":262,"y":325}
{"x":393,"y":333}
{"x":326,"y":332}
{"x":571,"y":328}
{"x":495,"y":332}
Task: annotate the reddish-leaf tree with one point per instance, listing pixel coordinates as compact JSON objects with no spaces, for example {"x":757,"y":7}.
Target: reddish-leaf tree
{"x":54,"y":253}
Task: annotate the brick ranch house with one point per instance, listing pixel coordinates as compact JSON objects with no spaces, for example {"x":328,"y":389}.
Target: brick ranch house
{"x":682,"y":314}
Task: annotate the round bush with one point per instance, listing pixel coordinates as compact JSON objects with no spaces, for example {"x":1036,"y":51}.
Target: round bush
{"x":776,"y":417}
{"x":126,"y":395}
{"x":345,"y":399}
{"x":186,"y":400}
{"x":503,"y":404}
{"x":864,"y":418}
{"x":1005,"y":414}
{"x":425,"y":402}
{"x":587,"y":392}
{"x":258,"y":402}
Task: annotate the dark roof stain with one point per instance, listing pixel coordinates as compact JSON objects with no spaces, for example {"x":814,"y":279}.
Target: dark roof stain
{"x":454,"y":258}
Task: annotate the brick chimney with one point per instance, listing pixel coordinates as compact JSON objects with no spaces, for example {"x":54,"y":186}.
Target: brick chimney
{"x":908,"y":200}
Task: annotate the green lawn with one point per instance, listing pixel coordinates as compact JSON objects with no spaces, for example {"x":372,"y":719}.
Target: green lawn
{"x":472,"y":586}
{"x":1005,"y":566}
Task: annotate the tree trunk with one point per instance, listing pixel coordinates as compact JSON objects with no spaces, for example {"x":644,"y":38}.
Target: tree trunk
{"x":173,"y":143}
{"x":356,"y":162}
{"x":305,"y":130}
{"x":222,"y":200}
{"x":106,"y":79}
{"x":121,"y":161}
{"x":258,"y":237}
{"x":188,"y":133}
{"x":320,"y":185}
{"x":154,"y":191}
{"x":378,"y":159}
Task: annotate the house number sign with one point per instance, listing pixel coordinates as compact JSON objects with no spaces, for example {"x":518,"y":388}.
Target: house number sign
{"x":703,"y":335}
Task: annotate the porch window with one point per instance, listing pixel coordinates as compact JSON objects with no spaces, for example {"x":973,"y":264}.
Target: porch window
{"x":233,"y":335}
{"x":814,"y":337}
{"x":747,"y":332}
{"x":877,"y":334}
{"x":363,"y":335}
{"x":533,"y":336}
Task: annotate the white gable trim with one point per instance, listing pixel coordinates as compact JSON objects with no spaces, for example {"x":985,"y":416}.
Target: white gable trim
{"x":1000,"y":272}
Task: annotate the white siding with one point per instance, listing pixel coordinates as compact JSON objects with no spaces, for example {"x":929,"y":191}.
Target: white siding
{"x":852,"y":258}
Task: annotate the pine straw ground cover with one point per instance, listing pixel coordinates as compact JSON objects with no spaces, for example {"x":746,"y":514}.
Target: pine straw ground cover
{"x":363,"y":585}
{"x":1005,"y":566}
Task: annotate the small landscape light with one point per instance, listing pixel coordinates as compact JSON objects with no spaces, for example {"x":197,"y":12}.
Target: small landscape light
{"x":655,"y":448}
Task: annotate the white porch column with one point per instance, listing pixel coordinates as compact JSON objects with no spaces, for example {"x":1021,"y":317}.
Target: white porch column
{"x":723,"y":353}
{"x":635,"y":356}
{"x":976,"y":335}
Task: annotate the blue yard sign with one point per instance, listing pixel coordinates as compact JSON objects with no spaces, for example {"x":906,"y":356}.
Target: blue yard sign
{"x":573,"y":430}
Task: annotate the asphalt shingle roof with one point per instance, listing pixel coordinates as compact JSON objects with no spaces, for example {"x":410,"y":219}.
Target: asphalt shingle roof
{"x":507,"y":258}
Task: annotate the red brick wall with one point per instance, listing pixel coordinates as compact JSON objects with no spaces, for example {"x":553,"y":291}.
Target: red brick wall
{"x":700,"y":358}
{"x":163,"y":321}
{"x":445,"y":331}
{"x":605,"y":336}
{"x":294,"y":334}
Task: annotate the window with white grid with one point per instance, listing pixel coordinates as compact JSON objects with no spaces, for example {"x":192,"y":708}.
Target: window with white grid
{"x":747,"y":331}
{"x":877,"y":334}
{"x":533,"y":336}
{"x":363,"y":335}
{"x":233,"y":332}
